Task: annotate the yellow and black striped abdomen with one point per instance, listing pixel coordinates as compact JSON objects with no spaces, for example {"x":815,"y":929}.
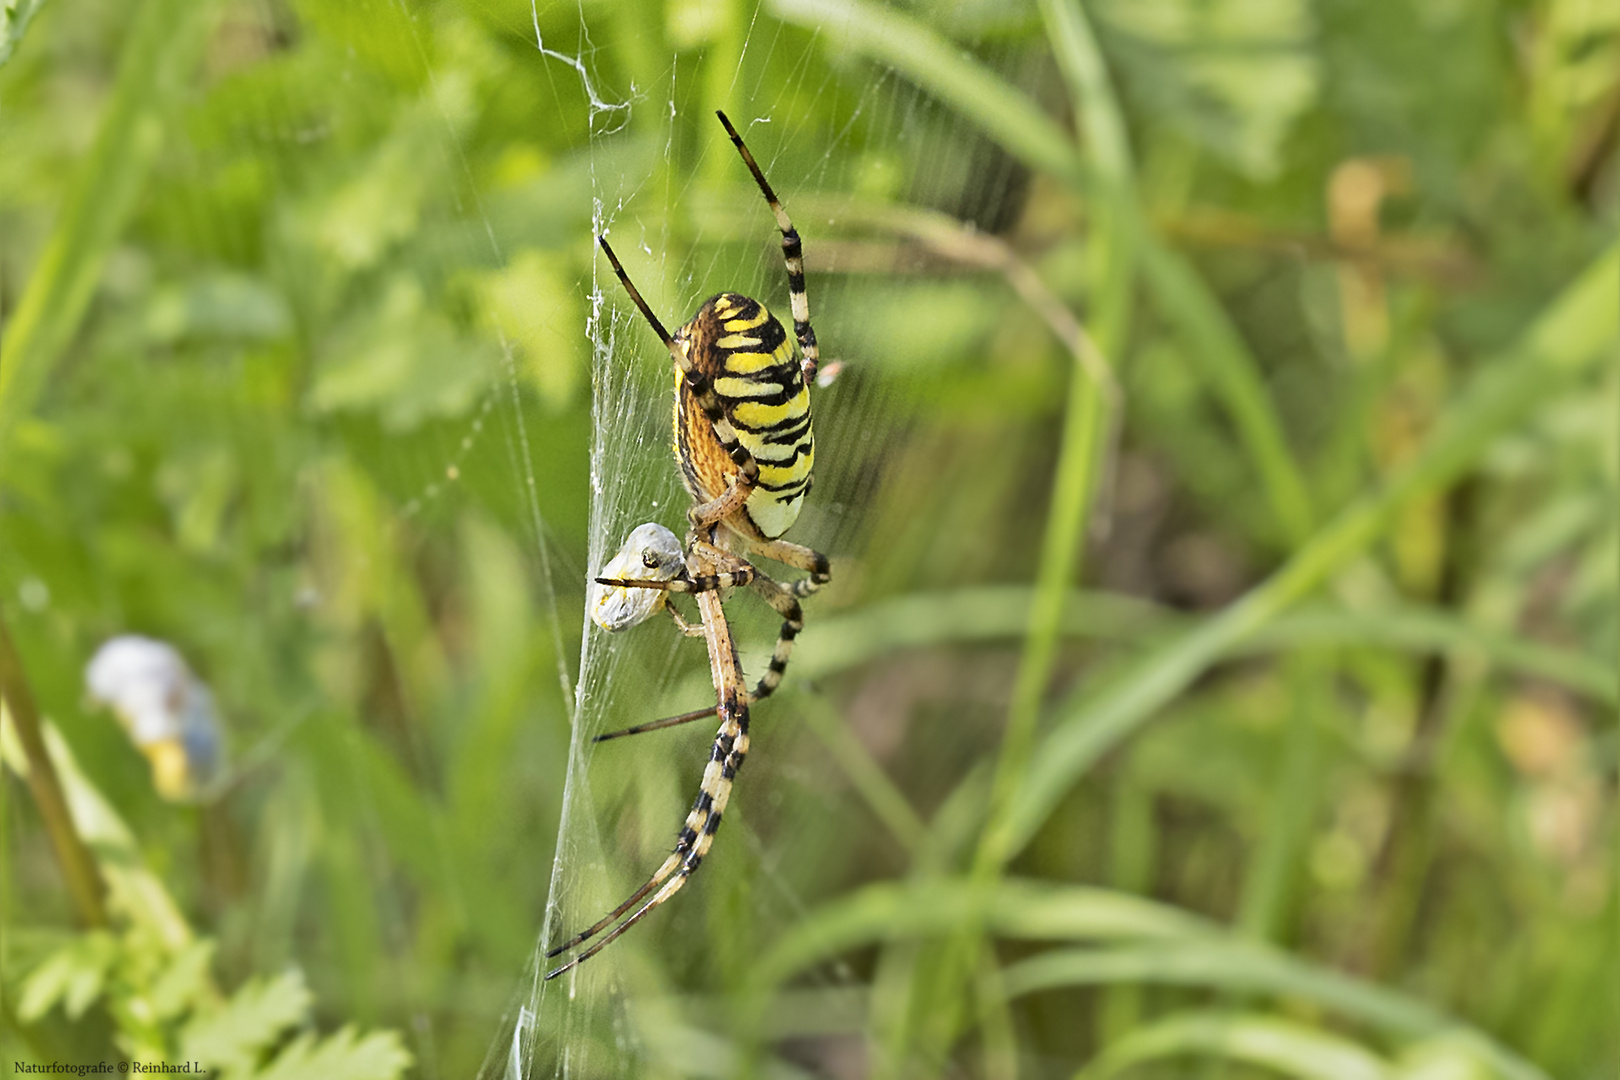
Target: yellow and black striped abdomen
{"x":747,"y":358}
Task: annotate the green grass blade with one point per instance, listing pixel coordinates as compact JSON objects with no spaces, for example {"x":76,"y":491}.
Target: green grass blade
{"x":1242,"y":967}
{"x":1230,"y":966}
{"x":1149,"y":943}
{"x":1272,"y":873}
{"x":1023,"y":910}
{"x":163,"y":46}
{"x":1575,"y":332}
{"x":1086,"y":417}
{"x":944,"y":70}
{"x":1000,"y":613}
{"x":1074,"y":45}
{"x":1433,"y":629}
{"x":1214,"y":344}
{"x":1279,"y":1045}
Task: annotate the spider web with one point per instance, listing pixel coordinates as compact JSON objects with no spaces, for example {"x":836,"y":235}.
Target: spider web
{"x":624,"y":801}
{"x":581,"y":1024}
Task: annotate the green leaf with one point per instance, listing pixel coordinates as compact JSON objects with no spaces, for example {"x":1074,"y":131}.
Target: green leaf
{"x":1444,"y":1057}
{"x":532,"y":304}
{"x":403,"y":359}
{"x":235,"y":1036}
{"x":1289,"y":1048}
{"x":1025,"y":910}
{"x":344,"y":1056}
{"x":185,"y":982}
{"x":218,"y":305}
{"x":14,"y":17}
{"x":73,"y":975}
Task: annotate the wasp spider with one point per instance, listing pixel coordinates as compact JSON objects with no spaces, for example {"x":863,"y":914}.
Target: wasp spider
{"x":744,"y":443}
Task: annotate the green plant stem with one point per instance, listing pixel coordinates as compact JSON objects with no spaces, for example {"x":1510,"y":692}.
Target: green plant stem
{"x":1113,"y":262}
{"x":1273,"y":1044}
{"x":1070,"y":503}
{"x":1293,"y":803}
{"x":78,"y":867}
{"x":1133,"y":843}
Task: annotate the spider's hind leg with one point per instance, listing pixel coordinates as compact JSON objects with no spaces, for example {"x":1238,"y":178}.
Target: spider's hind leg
{"x":785,"y":600}
{"x":703,"y":820}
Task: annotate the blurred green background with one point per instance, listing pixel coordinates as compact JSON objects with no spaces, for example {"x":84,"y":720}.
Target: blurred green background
{"x":1218,"y":673}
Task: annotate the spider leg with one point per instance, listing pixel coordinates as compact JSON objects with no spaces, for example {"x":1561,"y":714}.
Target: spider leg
{"x":658,"y":725}
{"x":664,"y":894}
{"x":715,"y":796}
{"x":607,"y":920}
{"x":792,"y":254}
{"x":785,"y":600}
{"x":700,"y":583}
{"x":799,"y":557}
{"x":680,"y":624}
{"x":703,"y":820}
{"x":725,"y":504}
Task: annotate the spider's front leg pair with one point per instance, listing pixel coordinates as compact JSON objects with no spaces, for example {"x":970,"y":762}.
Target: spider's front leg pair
{"x":701,"y":575}
{"x":652,"y":564}
{"x":638,"y":579}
